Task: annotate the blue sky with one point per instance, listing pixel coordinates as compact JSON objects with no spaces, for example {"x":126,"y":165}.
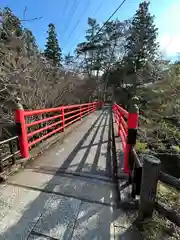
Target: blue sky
{"x":71,"y":25}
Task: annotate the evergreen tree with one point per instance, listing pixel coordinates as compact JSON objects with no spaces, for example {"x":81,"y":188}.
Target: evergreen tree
{"x":90,"y":48}
{"x":141,"y":42}
{"x":103,"y":46}
{"x":52,"y":50}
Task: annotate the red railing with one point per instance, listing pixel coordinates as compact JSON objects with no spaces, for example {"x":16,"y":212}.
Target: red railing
{"x":127,"y":123}
{"x":37,"y":125}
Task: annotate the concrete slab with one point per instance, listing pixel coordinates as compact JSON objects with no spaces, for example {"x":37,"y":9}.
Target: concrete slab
{"x":58,"y":219}
{"x":12,"y":196}
{"x":39,"y":237}
{"x":124,"y":219}
{"x":73,"y":186}
{"x":21,"y":212}
{"x":131,"y":233}
{"x":102,"y":222}
{"x":46,"y":213}
{"x":36,"y":237}
{"x":123,"y":225}
{"x":94,"y":222}
{"x":14,"y":227}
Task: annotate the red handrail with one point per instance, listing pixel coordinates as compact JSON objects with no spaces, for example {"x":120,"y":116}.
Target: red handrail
{"x":62,"y":117}
{"x":126,"y":121}
{"x":42,"y":120}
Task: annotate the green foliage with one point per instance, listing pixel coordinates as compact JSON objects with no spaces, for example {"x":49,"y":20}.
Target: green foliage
{"x":177,"y":148}
{"x":141,"y":147}
{"x":52,"y":51}
{"x":141,"y":43}
{"x":169,"y":130}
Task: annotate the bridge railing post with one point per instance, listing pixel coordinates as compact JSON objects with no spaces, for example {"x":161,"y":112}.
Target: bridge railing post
{"x":100,"y":104}
{"x":150,"y":175}
{"x":80,"y":112}
{"x":115,"y":112}
{"x":63,"y":118}
{"x":88,"y":108}
{"x":132,"y":124}
{"x":22,"y":131}
{"x":119,"y":123}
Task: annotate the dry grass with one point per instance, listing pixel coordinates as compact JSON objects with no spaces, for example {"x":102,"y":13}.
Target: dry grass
{"x":160,"y":227}
{"x":169,"y":196}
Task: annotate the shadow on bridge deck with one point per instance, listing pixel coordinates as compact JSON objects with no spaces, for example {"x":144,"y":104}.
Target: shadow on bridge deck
{"x":67,"y":194}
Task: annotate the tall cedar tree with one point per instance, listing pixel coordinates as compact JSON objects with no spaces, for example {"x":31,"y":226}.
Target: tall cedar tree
{"x":141,"y":43}
{"x":52,"y":50}
{"x":103,"y":47}
{"x":89,"y":48}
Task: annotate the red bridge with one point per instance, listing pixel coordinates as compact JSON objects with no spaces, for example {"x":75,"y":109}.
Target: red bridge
{"x":65,"y":116}
{"x":78,"y":164}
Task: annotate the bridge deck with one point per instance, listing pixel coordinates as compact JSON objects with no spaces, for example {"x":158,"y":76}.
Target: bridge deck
{"x":68,"y":192}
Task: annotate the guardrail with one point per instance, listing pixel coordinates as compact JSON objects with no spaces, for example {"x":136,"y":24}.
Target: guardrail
{"x":8,"y":152}
{"x":36,"y":125}
{"x":144,"y":174}
{"x":127,"y":123}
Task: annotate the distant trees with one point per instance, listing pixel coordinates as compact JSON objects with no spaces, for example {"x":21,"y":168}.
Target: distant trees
{"x":89,"y":49}
{"x":141,"y":44}
{"x":138,"y":63}
{"x":13,"y":33}
{"x":103,"y":46}
{"x":178,"y":58}
{"x":69,"y":62}
{"x":52,"y":50}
